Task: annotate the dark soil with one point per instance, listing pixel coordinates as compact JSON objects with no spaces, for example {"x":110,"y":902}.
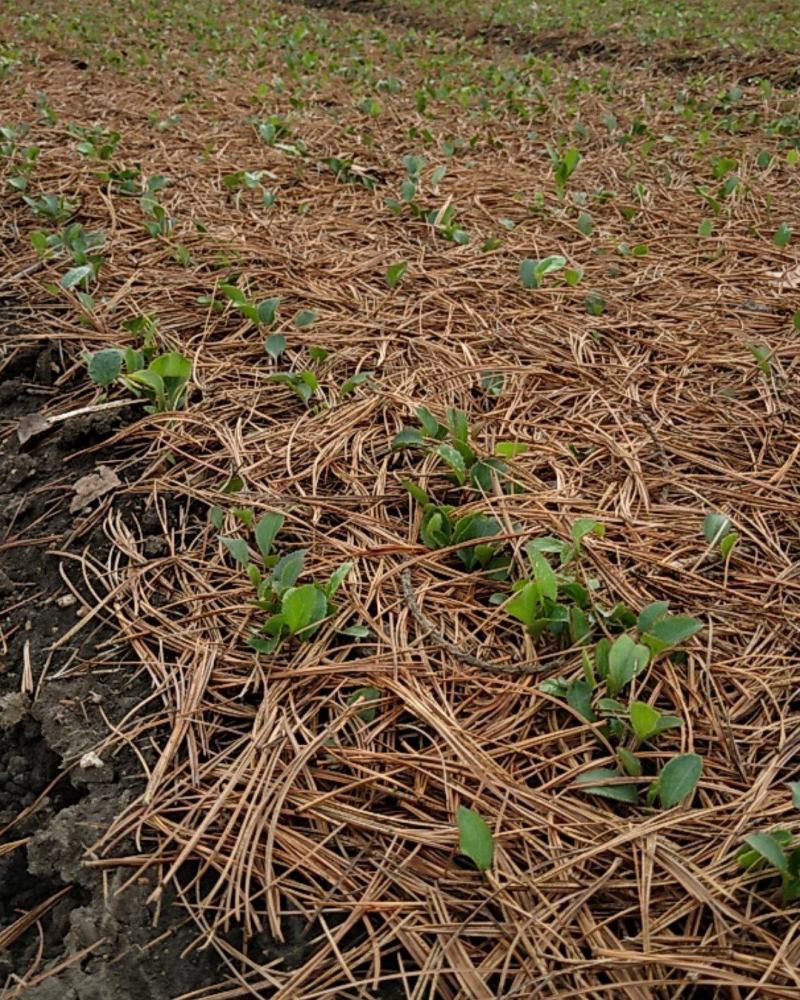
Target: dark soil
{"x":46,"y":797}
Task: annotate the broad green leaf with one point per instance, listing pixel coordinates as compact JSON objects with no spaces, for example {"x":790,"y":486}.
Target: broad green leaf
{"x":631,"y":764}
{"x":305,"y":318}
{"x":266,"y":529}
{"x":287,"y":569}
{"x":727,"y":544}
{"x":527,"y":273}
{"x":644,"y":719}
{"x":217,"y":517}
{"x":678,"y":778}
{"x":782,"y":235}
{"x":237,"y":548}
{"x":267,"y":311}
{"x":543,"y":573}
{"x":366,"y":695}
{"x":457,"y":422}
{"x":408,"y":437}
{"x":524,"y":605}
{"x":475,"y":839}
{"x":579,"y":697}
{"x":794,"y":788}
{"x":585,"y":223}
{"x":510,"y":449}
{"x":303,"y":607}
{"x":336,"y":579}
{"x":585,"y":526}
{"x":769,"y":849}
{"x":621,"y":792}
{"x":275,"y":345}
{"x":668,"y":722}
{"x":236,"y":295}
{"x":430,"y":424}
{"x":715,"y":527}
{"x":651,"y":614}
{"x":171,"y":365}
{"x":395,"y":272}
{"x":77,"y":274}
{"x":454,"y":459}
{"x":625,"y":659}
{"x":354,"y":381}
{"x":673,"y":630}
{"x":104,"y":366}
{"x":416,"y":492}
{"x":356,"y":631}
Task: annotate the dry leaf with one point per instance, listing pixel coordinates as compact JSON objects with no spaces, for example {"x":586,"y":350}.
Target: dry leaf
{"x":92,"y":487}
{"x":31,"y":426}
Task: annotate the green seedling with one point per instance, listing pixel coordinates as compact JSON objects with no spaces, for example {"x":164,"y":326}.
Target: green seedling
{"x":163,"y":381}
{"x":533,"y":272}
{"x":77,"y":244}
{"x":158,"y":222}
{"x":247,"y":180}
{"x":456,"y":453}
{"x":717,"y":530}
{"x":95,"y":143}
{"x":347,"y":172}
{"x":53,"y":207}
{"x":24,"y":161}
{"x":442,"y":527}
{"x":564,"y":166}
{"x":272,"y":129}
{"x":263,"y":313}
{"x":297,"y":611}
{"x":365,"y":696}
{"x":395,"y":272}
{"x":776,"y":849}
{"x":304,"y":384}
{"x":475,"y":840}
{"x":762,"y":357}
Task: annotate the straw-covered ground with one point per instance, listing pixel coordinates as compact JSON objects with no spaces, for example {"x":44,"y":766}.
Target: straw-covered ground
{"x":593,"y":260}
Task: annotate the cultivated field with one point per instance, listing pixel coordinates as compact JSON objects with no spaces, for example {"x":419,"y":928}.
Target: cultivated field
{"x":410,"y":608}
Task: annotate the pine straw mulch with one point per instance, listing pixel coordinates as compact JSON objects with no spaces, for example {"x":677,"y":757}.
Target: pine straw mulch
{"x":270,"y":806}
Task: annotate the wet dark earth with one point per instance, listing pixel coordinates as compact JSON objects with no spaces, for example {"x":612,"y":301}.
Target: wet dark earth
{"x":85,"y":941}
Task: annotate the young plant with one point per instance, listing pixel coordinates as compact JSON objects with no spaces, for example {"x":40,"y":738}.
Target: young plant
{"x":247,"y":180}
{"x":304,"y":384}
{"x":442,"y":527}
{"x":532,"y":272}
{"x":297,"y":611}
{"x":158,"y":222}
{"x":555,"y":601}
{"x":263,"y":313}
{"x":717,"y":530}
{"x":53,"y":207}
{"x":95,"y":143}
{"x":162,"y":379}
{"x":456,"y":453}
{"x":776,"y":849}
{"x":77,"y":244}
{"x":564,"y":166}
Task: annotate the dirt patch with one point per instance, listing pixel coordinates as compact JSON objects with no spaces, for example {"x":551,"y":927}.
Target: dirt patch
{"x":56,"y":796}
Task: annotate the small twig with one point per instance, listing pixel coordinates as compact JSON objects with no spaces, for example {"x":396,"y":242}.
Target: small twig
{"x":459,"y":653}
{"x":645,"y":421}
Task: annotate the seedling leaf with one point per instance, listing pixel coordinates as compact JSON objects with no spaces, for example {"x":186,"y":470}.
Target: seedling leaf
{"x":475,"y":839}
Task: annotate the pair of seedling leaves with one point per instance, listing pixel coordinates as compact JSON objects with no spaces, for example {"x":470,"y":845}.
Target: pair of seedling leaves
{"x":161,"y":378}
{"x":296,"y":611}
{"x":441,"y":527}
{"x":776,"y":849}
{"x":457,"y":453}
